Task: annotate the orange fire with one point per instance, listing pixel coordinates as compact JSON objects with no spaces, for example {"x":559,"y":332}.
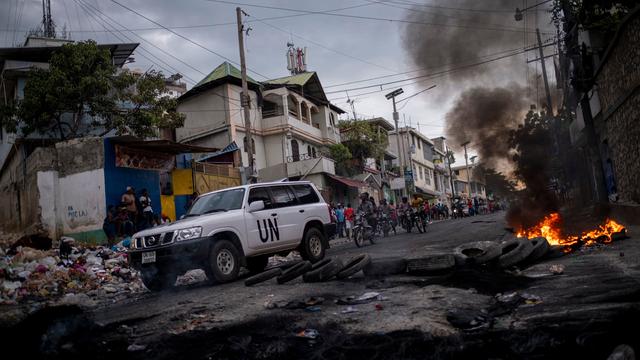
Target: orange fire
{"x":551,"y":228}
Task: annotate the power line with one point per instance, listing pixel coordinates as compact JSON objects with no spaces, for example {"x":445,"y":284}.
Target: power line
{"x":185,"y":38}
{"x":149,"y":42}
{"x":517,"y":30}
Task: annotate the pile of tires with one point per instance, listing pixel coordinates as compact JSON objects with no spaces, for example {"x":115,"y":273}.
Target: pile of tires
{"x":504,"y":255}
{"x":321,"y":271}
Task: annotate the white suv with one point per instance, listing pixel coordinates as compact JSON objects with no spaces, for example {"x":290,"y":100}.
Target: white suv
{"x":241,"y":226}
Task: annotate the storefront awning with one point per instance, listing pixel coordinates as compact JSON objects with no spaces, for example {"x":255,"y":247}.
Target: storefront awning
{"x":347,"y":181}
{"x":426,"y":191}
{"x":160,"y":146}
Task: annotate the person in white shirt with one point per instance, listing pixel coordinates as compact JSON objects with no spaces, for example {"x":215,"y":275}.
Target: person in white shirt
{"x":147,"y":210}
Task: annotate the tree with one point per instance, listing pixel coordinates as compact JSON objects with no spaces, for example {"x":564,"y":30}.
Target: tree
{"x":83,"y":92}
{"x":340,"y":155}
{"x":497,"y":183}
{"x":363,"y":139}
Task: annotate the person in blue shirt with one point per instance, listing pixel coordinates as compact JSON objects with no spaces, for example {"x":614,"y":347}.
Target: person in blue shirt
{"x":341,"y":221}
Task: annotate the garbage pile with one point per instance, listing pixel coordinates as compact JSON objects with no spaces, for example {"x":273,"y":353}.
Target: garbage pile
{"x":79,"y":274}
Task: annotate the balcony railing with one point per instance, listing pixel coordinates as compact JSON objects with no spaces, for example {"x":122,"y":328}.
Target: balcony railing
{"x":278,"y":111}
{"x":303,"y":157}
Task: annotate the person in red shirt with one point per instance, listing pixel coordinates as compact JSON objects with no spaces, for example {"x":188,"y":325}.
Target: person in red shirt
{"x":348,"y":216}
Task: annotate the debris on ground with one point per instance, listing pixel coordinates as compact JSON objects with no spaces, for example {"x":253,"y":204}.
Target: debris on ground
{"x":308,"y":334}
{"x":349,"y":310}
{"x":556,"y":269}
{"x":79,"y":276}
{"x":362,"y":299}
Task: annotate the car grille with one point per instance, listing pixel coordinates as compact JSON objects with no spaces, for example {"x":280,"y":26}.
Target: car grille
{"x":152,"y":240}
{"x":167,"y":238}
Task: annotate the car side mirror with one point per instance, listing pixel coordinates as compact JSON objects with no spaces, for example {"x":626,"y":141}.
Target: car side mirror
{"x":256,"y":206}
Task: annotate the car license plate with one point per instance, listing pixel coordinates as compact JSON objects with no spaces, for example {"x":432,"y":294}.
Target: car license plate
{"x":148,"y":257}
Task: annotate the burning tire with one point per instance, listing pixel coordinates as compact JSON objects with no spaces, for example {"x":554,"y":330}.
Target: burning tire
{"x":354,"y":265}
{"x":263,"y":276}
{"x":478,"y":252}
{"x":383,"y":267}
{"x":437,"y":263}
{"x":293,"y":272}
{"x":323,"y":270}
{"x":514,"y":251}
{"x":540,"y":248}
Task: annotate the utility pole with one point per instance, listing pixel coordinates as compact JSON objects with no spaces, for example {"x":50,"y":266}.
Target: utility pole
{"x":244,"y":98}
{"x":392,"y":95}
{"x":466,"y":161}
{"x":544,"y":75}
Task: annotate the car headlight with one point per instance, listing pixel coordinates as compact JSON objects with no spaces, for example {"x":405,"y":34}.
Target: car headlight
{"x":188,"y":233}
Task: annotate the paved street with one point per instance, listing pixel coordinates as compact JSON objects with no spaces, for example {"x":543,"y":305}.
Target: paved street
{"x":596,"y":295}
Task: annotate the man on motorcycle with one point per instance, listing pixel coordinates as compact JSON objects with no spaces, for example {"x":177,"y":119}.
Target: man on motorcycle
{"x":366,"y":207}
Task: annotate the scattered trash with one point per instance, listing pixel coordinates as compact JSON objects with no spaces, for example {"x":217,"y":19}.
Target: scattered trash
{"x":73,"y":274}
{"x":313,"y":301}
{"x":556,"y":269}
{"x":507,"y":297}
{"x":362,"y":299}
{"x":136,"y":347}
{"x":379,"y":307}
{"x":308,"y":334}
{"x":531,"y":299}
{"x":349,"y":310}
{"x":468,"y":319}
{"x":313,"y":309}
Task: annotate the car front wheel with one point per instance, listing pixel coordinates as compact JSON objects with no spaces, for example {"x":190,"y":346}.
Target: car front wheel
{"x":224,"y":262}
{"x":157,"y":279}
{"x":313,"y":245}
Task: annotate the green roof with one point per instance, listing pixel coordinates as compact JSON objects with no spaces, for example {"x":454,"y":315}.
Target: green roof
{"x":298,"y":79}
{"x":223,"y":70}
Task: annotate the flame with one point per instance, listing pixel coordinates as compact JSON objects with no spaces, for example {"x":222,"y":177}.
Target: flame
{"x":551,"y":228}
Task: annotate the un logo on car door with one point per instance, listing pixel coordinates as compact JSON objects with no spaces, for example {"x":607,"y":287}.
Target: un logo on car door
{"x":271,"y":230}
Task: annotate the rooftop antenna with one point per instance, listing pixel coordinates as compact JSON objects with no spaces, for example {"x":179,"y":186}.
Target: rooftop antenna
{"x":296,"y":59}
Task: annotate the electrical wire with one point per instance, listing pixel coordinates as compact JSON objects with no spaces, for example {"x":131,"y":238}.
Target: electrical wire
{"x":185,"y":37}
{"x":517,"y":30}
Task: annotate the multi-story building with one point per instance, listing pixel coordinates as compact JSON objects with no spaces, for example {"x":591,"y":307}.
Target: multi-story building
{"x":442,"y":175}
{"x":418,"y":152}
{"x":292,"y":123}
{"x":461,"y":182}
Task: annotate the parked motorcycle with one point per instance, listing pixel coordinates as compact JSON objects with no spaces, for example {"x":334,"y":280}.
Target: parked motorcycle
{"x":361,"y":230}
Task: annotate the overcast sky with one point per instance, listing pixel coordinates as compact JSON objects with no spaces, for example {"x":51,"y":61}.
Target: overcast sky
{"x":340,"y":49}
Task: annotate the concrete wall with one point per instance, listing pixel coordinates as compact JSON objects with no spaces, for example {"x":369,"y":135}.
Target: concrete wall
{"x":619,"y":90}
{"x":204,"y":113}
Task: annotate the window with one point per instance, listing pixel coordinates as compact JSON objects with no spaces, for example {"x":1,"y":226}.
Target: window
{"x":260,"y":193}
{"x":419,"y":144}
{"x":253,"y":145}
{"x":295,"y":150}
{"x":283,"y":197}
{"x":421,"y":172}
{"x":305,"y":194}
{"x":332,"y":119}
{"x":309,"y":150}
{"x":314,"y":152}
{"x":217,"y":201}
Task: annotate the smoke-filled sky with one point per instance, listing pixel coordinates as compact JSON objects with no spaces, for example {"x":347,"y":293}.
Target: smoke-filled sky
{"x":354,"y":42}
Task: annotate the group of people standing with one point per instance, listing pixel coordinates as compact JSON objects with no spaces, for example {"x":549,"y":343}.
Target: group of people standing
{"x":133,"y":213}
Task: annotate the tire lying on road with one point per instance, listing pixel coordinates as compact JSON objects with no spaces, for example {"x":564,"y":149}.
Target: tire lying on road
{"x":434,"y":263}
{"x":383,"y":267}
{"x":514,"y":251}
{"x":477,"y":252}
{"x":323,"y":270}
{"x":263,"y":276}
{"x":293,"y":272}
{"x":540,"y":248}
{"x":354,"y":265}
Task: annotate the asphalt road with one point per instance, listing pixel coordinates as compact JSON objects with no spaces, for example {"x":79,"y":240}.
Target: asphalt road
{"x":580,"y":313}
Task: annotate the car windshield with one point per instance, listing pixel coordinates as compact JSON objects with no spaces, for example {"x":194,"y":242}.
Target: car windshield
{"x":217,"y":202}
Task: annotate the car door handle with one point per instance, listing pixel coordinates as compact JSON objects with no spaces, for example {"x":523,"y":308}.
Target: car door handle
{"x":274,"y":214}
{"x":301,"y":210}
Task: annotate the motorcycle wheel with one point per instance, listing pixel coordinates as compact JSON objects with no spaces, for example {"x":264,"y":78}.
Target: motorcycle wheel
{"x":407,"y":225}
{"x":372,"y":239}
{"x":358,"y":237}
{"x":419,"y":225}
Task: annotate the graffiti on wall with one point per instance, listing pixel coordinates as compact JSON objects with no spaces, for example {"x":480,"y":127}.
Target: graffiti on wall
{"x":141,"y":159}
{"x":82,"y":201}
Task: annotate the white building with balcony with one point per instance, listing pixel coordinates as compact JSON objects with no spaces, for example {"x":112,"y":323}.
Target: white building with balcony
{"x":418,"y":157}
{"x":292,"y":122}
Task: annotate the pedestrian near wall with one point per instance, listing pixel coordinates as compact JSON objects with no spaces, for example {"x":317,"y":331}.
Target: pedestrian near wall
{"x":340,"y":220}
{"x":348,"y":217}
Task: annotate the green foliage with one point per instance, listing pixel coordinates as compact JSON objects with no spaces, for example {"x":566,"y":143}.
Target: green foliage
{"x":532,"y":143}
{"x":341,"y":155}
{"x":497,"y":183}
{"x":363,"y":139}
{"x":82,"y":82}
{"x":601,"y":15}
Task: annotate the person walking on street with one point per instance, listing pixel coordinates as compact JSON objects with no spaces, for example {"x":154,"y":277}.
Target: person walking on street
{"x":341,"y":220}
{"x":348,"y":218}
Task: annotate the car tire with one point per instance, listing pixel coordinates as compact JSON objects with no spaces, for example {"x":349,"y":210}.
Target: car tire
{"x":257,"y":264}
{"x":263,"y":276}
{"x":540,"y":249}
{"x":514,"y":251}
{"x":313,"y":245}
{"x":293,"y":272}
{"x":435,"y":263}
{"x":354,"y":265}
{"x":224,"y":262}
{"x":384,"y":267}
{"x":157,"y":279}
{"x":476,"y":253}
{"x":323,"y":270}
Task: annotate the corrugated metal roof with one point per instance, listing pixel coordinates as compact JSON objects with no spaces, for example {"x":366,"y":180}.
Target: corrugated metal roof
{"x":223,"y":70}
